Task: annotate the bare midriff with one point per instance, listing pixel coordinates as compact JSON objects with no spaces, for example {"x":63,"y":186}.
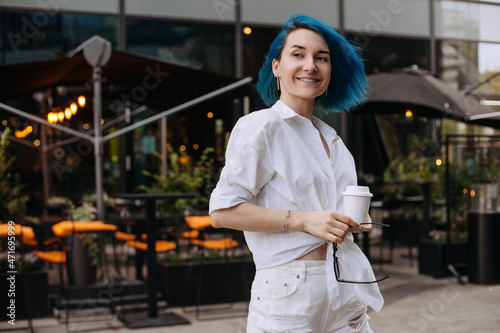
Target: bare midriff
{"x":316,"y":254}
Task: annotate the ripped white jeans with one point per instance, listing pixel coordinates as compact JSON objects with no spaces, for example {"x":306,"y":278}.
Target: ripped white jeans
{"x":293,"y":298}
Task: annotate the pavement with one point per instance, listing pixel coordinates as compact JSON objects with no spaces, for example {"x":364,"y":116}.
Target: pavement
{"x":413,"y":303}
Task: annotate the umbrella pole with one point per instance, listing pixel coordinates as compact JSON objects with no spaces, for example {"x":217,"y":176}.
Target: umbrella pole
{"x":97,"y":78}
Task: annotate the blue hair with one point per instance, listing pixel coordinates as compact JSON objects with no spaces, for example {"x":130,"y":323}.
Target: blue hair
{"x":347,"y":87}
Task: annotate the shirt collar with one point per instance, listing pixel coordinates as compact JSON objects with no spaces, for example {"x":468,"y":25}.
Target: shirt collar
{"x":285,"y":112}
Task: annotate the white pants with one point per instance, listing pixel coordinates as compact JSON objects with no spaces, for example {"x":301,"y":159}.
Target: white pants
{"x":293,"y":298}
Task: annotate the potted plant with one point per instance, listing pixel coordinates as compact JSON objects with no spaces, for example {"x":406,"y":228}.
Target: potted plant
{"x":206,"y":277}
{"x":28,"y":288}
{"x":179,"y":174}
{"x":82,"y":255}
{"x":197,"y":276}
{"x":12,"y":201}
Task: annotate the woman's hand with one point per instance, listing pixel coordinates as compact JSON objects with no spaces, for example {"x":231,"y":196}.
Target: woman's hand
{"x":330,"y":225}
{"x":366,"y":227}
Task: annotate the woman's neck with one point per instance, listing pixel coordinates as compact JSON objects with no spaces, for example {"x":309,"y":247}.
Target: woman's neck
{"x":300,"y":106}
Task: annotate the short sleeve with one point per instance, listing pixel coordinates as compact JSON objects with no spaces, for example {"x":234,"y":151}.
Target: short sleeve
{"x":247,"y":168}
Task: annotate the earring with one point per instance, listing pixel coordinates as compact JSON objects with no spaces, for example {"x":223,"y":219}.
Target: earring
{"x":278,"y":83}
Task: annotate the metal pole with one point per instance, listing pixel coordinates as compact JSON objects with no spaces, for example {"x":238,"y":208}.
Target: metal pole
{"x":432,"y":29}
{"x":343,"y":115}
{"x":163,"y":145}
{"x":238,"y":39}
{"x":122,"y":27}
{"x":44,"y":122}
{"x":45,"y":165}
{"x":98,"y":142}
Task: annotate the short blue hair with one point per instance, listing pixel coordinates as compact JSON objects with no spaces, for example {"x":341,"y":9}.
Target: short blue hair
{"x":347,"y":87}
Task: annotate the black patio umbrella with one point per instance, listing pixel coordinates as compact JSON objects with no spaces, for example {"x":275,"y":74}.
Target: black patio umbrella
{"x":425,"y":95}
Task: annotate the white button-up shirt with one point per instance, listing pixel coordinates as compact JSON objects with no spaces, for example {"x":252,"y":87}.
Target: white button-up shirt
{"x":275,"y":159}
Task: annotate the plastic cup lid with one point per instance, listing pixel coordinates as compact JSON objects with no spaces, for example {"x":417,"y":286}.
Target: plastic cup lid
{"x":357,"y":190}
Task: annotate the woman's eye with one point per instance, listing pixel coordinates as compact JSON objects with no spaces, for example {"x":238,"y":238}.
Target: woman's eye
{"x":297,"y":55}
{"x":323,"y":58}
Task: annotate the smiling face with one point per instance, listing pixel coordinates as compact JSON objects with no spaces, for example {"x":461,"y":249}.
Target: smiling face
{"x":303,"y":69}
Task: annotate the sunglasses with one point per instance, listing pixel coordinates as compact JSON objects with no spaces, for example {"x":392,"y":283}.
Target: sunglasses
{"x":336,"y":266}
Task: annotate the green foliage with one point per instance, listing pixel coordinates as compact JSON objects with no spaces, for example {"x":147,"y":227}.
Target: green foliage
{"x":404,"y":175}
{"x":12,"y":201}
{"x":83,"y":213}
{"x":174,"y":258}
{"x":197,"y":257}
{"x":186,"y":177}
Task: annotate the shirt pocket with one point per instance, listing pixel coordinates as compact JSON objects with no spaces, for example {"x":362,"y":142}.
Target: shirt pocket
{"x":275,"y":286}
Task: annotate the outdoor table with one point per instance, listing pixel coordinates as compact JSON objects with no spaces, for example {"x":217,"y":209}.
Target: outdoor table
{"x":152,"y":319}
{"x":66,"y":228}
{"x":78,"y":267}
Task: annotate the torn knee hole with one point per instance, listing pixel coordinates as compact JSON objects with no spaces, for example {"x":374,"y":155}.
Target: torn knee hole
{"x":356,"y":322}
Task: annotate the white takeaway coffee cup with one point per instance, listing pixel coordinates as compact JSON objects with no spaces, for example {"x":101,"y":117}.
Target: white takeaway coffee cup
{"x":357,"y":202}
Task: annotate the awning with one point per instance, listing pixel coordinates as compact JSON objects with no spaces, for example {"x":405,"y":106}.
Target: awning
{"x":153,"y":82}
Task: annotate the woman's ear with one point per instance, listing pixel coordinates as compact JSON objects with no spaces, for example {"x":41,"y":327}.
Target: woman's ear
{"x":275,"y":67}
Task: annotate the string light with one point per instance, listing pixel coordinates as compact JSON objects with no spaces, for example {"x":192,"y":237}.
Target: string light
{"x":81,"y":101}
{"x":25,"y":132}
{"x":408,"y":113}
{"x":58,"y":115}
{"x":73,"y":107}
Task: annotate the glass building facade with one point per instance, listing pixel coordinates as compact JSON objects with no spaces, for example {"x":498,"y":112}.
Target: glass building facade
{"x":456,"y":40}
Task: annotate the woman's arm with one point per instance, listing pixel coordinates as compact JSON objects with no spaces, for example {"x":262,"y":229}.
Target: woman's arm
{"x":329,"y":224}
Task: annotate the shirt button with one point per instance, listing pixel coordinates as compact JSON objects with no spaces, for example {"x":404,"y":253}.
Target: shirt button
{"x":298,"y":276}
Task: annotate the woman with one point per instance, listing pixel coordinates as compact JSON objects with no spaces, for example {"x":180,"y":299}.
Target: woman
{"x":282,"y":183}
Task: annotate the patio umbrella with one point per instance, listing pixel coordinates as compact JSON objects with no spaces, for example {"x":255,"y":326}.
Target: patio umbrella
{"x":425,"y":95}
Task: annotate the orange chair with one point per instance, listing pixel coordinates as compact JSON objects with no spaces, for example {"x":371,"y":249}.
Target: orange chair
{"x":121,"y":237}
{"x":160,"y":246}
{"x":217,"y":244}
{"x":70,"y":228}
{"x":200,"y":223}
{"x":199,"y":236}
{"x":57,"y":257}
{"x":26,"y":233}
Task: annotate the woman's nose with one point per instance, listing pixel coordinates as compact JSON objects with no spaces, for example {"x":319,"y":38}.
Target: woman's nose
{"x":310,"y":65}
